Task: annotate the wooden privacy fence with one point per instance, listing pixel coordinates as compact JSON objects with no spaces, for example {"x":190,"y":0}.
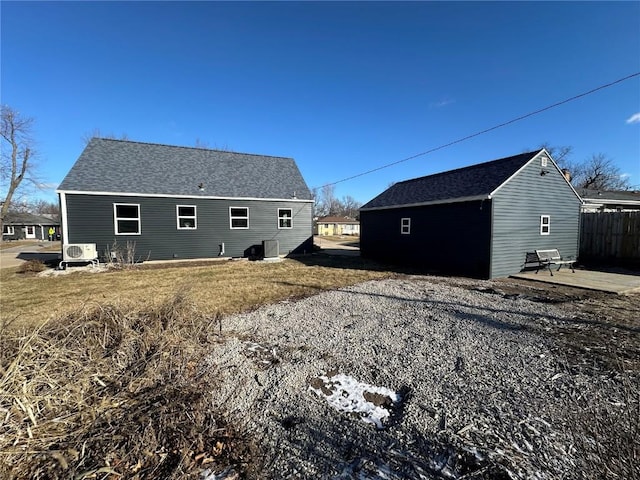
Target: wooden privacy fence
{"x":610,"y":236}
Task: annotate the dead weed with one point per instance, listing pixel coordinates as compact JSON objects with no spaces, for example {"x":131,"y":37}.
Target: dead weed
{"x":112,"y":390}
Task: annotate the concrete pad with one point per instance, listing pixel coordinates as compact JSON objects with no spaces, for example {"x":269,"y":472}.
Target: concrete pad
{"x":587,"y":279}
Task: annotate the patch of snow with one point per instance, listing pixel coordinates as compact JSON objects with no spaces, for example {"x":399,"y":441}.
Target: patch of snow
{"x":346,"y":394}
{"x":227,"y":474}
{"x":52,"y":272}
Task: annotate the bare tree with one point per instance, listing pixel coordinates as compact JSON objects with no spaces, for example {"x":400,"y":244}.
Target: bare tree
{"x":17,"y":155}
{"x":560,"y":153}
{"x":350,"y":207}
{"x":315,"y":194}
{"x":86,"y":138}
{"x":597,"y":172}
{"x":201,"y":143}
{"x":600,"y":173}
{"x":42,"y":206}
{"x":328,"y":204}
{"x":206,"y":145}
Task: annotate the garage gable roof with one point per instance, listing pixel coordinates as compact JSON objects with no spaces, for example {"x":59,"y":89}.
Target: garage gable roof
{"x":469,"y":183}
{"x":109,"y":166}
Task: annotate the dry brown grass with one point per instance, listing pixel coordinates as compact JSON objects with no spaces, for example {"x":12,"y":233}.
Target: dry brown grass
{"x":31,"y":266}
{"x":113,"y":383}
{"x":217,"y":287}
{"x":112,"y":392}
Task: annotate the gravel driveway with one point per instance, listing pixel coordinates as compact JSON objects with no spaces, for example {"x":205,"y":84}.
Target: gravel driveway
{"x":480,"y":394}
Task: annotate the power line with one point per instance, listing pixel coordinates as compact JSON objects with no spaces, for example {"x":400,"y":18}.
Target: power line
{"x":517,"y":119}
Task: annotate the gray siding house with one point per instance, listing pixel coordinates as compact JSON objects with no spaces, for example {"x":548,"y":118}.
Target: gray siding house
{"x":609,"y":200}
{"x":479,"y":221}
{"x":21,"y":226}
{"x":182,"y":203}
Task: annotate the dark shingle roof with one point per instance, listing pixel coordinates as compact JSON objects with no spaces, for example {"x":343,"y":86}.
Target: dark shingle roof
{"x":118,"y":166}
{"x":16,"y":218}
{"x":474,"y":181}
{"x":601,"y":195}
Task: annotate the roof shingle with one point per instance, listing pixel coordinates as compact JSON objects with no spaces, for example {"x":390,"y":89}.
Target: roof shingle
{"x":18,"y":218}
{"x":599,"y":195}
{"x":473,"y":181}
{"x":118,"y":166}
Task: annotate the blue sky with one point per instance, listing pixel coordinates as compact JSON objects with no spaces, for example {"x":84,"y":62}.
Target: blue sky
{"x":340,"y":87}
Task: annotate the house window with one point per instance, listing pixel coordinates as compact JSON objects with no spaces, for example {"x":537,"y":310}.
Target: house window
{"x":405,"y":226}
{"x":8,"y":230}
{"x":126,"y":218}
{"x":543,"y":161}
{"x":186,"y":217}
{"x":239,"y":217}
{"x":545,"y":224}
{"x":285,"y":218}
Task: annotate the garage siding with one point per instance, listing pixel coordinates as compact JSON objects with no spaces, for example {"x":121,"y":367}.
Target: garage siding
{"x":451,"y":238}
{"x":517,"y":207}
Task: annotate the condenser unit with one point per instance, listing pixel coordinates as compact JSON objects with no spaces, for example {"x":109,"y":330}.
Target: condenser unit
{"x":270,"y":248}
{"x":79,"y":253}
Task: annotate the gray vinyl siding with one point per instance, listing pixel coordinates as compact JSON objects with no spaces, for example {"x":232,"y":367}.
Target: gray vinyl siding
{"x":90,"y":219}
{"x":449,"y":238}
{"x":517,"y":208}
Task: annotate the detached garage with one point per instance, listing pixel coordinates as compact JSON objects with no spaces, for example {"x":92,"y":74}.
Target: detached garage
{"x":478,"y":221}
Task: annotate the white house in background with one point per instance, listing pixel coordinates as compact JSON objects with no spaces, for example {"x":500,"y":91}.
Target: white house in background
{"x":609,"y":201}
{"x":333,"y":225}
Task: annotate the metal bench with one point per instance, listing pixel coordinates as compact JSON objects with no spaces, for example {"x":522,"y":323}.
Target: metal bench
{"x":546,"y":258}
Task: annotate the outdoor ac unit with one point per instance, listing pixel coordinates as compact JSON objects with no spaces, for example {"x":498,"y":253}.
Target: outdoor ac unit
{"x":270,"y":248}
{"x":79,"y":252}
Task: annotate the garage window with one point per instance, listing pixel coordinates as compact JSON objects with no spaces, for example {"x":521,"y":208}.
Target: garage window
{"x":545,"y":224}
{"x":405,"y":226}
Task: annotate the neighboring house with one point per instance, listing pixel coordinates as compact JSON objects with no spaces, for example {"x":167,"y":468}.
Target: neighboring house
{"x":337,"y":226}
{"x":479,"y":220}
{"x":19,"y":226}
{"x":179,"y":202}
{"x":609,"y":201}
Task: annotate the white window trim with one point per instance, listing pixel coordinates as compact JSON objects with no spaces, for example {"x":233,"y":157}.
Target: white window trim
{"x":10,"y":230}
{"x":193,"y":217}
{"x":231,"y":219}
{"x":405,"y":226}
{"x":116,"y":218}
{"x":545,"y":225}
{"x":287,"y":218}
